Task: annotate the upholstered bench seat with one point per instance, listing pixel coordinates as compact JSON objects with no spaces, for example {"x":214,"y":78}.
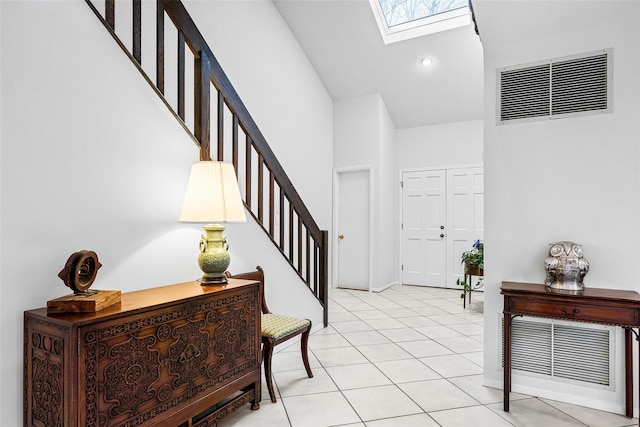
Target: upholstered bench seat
{"x":276,"y":326}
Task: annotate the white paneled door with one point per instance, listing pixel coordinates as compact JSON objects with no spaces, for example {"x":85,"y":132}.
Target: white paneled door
{"x":442,"y":215}
{"x":353,"y":228}
{"x":465,"y":216}
{"x":423,"y":228}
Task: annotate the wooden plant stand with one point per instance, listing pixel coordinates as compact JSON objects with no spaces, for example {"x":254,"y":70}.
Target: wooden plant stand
{"x":469,"y":272}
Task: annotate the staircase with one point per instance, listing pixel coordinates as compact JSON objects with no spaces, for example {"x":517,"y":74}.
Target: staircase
{"x":269,"y":196}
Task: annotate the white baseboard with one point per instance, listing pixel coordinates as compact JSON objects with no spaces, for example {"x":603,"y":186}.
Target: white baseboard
{"x":561,"y":396}
{"x":383,"y":287}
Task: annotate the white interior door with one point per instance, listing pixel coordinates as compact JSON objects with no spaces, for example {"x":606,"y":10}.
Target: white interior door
{"x":442,"y":216}
{"x":465,"y":216}
{"x":423,"y":228}
{"x":353,"y":229}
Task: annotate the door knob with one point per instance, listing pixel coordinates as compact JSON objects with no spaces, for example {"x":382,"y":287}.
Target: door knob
{"x":442,"y":235}
{"x":340,"y":236}
{"x":442,"y":227}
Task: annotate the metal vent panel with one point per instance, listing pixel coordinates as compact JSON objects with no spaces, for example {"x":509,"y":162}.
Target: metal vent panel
{"x":580,"y":353}
{"x":556,"y":88}
{"x":579,"y":85}
{"x":525,"y":93}
{"x":531,"y":347}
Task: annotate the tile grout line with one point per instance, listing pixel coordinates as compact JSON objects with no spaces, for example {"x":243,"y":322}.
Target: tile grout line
{"x":385,"y":375}
{"x":345,"y":306}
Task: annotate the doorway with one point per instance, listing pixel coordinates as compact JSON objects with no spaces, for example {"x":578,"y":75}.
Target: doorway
{"x":352,"y":228}
{"x":442,"y":216}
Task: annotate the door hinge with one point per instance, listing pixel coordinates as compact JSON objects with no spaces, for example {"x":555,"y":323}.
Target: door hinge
{"x":402,"y":184}
{"x":402,"y":267}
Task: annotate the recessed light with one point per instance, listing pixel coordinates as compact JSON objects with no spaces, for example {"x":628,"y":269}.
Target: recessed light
{"x":426,"y":62}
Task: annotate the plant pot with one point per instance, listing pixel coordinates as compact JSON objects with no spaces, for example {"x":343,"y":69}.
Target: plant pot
{"x":473,"y":270}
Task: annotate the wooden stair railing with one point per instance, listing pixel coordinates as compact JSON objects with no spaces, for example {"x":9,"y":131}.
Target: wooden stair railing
{"x":263,"y":181}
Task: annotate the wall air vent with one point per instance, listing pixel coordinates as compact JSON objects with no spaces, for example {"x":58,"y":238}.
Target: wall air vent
{"x":556,"y":88}
{"x":531,"y":347}
{"x":575,"y":353}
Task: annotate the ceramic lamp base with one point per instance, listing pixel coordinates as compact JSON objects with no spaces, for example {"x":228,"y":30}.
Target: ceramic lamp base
{"x":212,"y":280}
{"x":214,"y":258}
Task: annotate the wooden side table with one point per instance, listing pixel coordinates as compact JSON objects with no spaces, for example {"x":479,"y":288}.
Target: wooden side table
{"x":593,"y":305}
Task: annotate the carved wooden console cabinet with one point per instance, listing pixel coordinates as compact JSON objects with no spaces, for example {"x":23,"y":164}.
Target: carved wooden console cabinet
{"x":179,"y":355}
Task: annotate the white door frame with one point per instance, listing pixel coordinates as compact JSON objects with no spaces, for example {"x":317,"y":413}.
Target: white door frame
{"x":336,"y":222}
{"x":401,"y":171}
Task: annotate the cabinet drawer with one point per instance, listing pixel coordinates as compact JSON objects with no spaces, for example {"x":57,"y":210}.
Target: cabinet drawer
{"x":576,"y":311}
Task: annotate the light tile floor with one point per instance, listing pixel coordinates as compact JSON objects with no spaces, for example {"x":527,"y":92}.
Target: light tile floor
{"x":408,"y":356}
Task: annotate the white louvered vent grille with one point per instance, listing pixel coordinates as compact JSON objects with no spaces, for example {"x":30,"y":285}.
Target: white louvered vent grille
{"x":531,"y":347}
{"x":555,"y":88}
{"x":581,"y":354}
{"x":578,"y":353}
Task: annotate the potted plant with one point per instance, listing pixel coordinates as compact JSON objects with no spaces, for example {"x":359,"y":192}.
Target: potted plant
{"x":473,"y":261}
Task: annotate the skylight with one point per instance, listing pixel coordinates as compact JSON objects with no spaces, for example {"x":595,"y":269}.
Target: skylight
{"x":403,"y":19}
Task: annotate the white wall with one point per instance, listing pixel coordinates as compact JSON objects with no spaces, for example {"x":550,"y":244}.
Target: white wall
{"x":387,"y":266}
{"x":449,"y":144}
{"x":1,"y":97}
{"x":293,"y":110}
{"x":363,"y":136}
{"x":280,"y":88}
{"x":91,"y":159}
{"x":568,"y":179}
{"x":356,"y":135}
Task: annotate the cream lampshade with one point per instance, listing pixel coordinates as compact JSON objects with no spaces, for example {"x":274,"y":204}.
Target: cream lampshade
{"x":213,"y":197}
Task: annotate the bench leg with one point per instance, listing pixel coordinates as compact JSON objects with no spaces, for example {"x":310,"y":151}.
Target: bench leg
{"x":305,"y":353}
{"x":268,"y":353}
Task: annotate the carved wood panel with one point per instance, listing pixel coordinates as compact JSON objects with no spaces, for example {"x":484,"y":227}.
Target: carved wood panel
{"x":45,"y":378}
{"x":133,"y":369}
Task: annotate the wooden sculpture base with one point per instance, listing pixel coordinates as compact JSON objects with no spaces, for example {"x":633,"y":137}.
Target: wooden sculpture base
{"x":84,"y":304}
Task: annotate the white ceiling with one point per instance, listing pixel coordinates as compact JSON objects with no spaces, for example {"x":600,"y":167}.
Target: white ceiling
{"x":508,"y":23}
{"x":343,"y":43}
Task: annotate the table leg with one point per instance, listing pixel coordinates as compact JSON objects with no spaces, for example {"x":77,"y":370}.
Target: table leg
{"x":628,"y":369}
{"x":464,"y":293}
{"x":507,"y":359}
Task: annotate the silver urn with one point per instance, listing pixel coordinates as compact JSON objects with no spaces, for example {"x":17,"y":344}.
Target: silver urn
{"x":565,"y":266}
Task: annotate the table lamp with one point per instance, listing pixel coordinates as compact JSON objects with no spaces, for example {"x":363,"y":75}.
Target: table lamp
{"x":213,"y":197}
